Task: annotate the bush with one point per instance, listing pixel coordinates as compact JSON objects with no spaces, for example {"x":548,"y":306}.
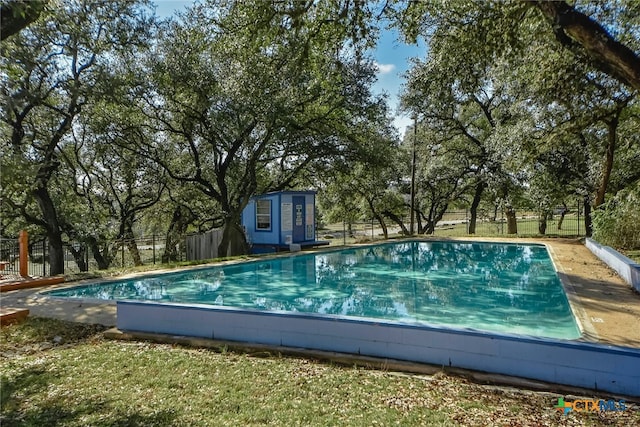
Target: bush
{"x":617,"y":222}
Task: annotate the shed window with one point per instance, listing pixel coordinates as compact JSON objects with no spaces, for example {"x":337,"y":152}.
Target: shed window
{"x":263,"y":214}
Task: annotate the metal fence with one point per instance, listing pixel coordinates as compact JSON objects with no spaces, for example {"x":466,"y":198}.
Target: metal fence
{"x":10,"y":257}
{"x":150,"y":250}
{"x":455,"y":223}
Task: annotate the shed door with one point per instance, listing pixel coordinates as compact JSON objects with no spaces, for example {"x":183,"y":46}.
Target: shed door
{"x":298,"y":218}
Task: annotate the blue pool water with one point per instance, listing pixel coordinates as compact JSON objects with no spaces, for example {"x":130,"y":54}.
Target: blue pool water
{"x":495,"y":287}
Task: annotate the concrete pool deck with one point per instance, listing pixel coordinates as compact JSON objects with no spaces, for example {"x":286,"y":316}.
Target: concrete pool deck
{"x":606,"y":306}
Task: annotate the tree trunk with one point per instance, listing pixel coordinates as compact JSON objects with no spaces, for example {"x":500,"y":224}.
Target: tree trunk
{"x":132,"y":246}
{"x":53,"y":230}
{"x":56,"y":254}
{"x":129,"y":238}
{"x":17,"y":15}
{"x":612,"y":127}
{"x":102,"y":259}
{"x":542,"y":222}
{"x":435,"y":215}
{"x":177,"y":229}
{"x":562,"y":214}
{"x":512,"y":223}
{"x":234,"y":241}
{"x":474,"y":206}
{"x":579,"y":32}
{"x":418,"y":220}
{"x":429,"y":227}
{"x":379,"y":218}
{"x":79,"y":255}
{"x":588,"y":226}
{"x":395,"y":218}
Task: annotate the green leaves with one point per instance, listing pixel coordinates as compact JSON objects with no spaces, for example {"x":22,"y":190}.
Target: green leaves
{"x":52,"y":71}
{"x":499,"y":78}
{"x":617,"y":223}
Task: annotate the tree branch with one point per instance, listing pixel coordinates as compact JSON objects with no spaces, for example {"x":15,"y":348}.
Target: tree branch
{"x":578,"y":32}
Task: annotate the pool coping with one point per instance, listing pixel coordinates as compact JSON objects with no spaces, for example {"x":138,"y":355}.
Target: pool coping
{"x":626,"y":268}
{"x":587,"y":330}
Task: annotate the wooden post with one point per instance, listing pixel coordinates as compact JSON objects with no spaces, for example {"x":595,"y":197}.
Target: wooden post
{"x":23,"y":240}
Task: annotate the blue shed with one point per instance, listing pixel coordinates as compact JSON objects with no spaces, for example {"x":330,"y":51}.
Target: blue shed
{"x":274,"y":221}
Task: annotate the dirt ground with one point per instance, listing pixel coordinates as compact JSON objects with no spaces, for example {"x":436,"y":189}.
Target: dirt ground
{"x":611,"y":305}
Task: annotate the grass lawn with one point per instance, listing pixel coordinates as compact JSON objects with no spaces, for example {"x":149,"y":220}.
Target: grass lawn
{"x":634,"y":255}
{"x":59,"y":373}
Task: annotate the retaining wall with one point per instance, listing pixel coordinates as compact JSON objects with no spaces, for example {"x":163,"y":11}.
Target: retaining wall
{"x":599,"y":367}
{"x":627,"y":268}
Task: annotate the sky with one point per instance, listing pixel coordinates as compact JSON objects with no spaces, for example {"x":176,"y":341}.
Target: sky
{"x":391,"y":56}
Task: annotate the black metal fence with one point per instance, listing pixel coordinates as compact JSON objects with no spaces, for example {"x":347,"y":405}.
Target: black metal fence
{"x":455,"y":223}
{"x":120,"y":254}
{"x":570,"y":224}
{"x":10,"y":257}
{"x":126,"y":252}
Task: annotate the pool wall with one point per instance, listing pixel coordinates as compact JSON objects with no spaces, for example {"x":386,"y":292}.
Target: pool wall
{"x":599,"y":367}
{"x":625,"y":267}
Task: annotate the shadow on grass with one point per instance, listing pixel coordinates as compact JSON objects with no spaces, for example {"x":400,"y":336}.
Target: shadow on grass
{"x":29,"y":382}
{"x":31,"y":386}
{"x":26,"y":336}
{"x":28,"y":397}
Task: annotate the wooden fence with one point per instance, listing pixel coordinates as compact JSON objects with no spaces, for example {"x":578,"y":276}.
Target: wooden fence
{"x":204,"y":245}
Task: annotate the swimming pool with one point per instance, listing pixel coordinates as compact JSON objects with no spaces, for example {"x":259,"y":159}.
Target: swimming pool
{"x":495,"y":287}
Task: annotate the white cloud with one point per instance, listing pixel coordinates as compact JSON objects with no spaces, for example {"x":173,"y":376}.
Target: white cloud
{"x":385,"y":68}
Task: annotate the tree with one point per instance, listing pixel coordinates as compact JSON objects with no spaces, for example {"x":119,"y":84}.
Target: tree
{"x":588,"y":38}
{"x":465,"y":110}
{"x":442,"y":174}
{"x":367,"y":186}
{"x":51,"y":70}
{"x":576,"y":129}
{"x":598,"y":34}
{"x":124,"y":184}
{"x":618,"y":222}
{"x":570,"y":97}
{"x":247,"y":97}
